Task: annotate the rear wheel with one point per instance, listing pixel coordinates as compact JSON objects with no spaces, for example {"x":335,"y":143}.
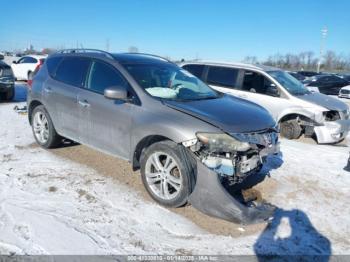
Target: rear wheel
{"x":165,"y":174}
{"x":43,"y":129}
{"x":290,"y":129}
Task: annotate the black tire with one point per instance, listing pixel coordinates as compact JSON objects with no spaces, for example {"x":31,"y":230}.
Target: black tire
{"x":10,"y":94}
{"x":290,"y":129}
{"x":185,"y":167}
{"x":54,"y":139}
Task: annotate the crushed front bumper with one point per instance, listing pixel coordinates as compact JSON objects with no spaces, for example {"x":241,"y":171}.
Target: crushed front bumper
{"x":210,"y":197}
{"x":332,"y":131}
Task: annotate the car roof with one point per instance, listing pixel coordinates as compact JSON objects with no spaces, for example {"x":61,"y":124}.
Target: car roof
{"x":138,"y":58}
{"x":119,"y":57}
{"x":233,"y":64}
{"x":35,"y":56}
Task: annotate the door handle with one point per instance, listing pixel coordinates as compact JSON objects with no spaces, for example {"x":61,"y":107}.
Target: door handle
{"x":83,"y":103}
{"x":48,"y":89}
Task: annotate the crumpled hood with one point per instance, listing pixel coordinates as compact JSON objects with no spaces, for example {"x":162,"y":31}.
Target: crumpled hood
{"x":328,"y":102}
{"x":230,"y":114}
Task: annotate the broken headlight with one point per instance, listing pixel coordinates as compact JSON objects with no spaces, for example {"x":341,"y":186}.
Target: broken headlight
{"x":221,"y":142}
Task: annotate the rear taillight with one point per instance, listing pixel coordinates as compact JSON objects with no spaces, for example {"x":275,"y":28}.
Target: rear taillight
{"x":30,"y":81}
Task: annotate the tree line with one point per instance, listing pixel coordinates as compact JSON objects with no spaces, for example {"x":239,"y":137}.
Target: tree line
{"x":331,"y":61}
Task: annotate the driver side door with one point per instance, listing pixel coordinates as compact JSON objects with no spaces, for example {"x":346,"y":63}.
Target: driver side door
{"x":105,"y":123}
{"x":261,"y":90}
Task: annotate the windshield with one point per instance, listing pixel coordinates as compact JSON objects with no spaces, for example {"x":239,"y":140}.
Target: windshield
{"x":170,"y":82}
{"x":292,"y":85}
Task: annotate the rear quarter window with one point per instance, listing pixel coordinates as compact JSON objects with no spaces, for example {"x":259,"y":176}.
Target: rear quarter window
{"x":222,"y":76}
{"x":52,"y":64}
{"x":72,"y":71}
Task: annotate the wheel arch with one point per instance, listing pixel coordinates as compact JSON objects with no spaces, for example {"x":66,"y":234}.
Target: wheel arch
{"x":142,"y":145}
{"x":33,"y":104}
{"x":291,"y":116}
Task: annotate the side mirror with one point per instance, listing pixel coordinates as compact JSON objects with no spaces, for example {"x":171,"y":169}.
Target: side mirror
{"x":116,"y":93}
{"x":272,"y":90}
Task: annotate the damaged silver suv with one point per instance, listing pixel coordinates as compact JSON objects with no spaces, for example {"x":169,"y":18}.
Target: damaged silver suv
{"x":193,"y":144}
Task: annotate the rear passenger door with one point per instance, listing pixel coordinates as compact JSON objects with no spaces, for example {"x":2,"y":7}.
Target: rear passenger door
{"x":60,"y":94}
{"x":104,"y":123}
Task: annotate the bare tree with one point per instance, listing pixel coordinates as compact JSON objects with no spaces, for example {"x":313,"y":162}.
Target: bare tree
{"x":307,"y":61}
{"x":133,"y":49}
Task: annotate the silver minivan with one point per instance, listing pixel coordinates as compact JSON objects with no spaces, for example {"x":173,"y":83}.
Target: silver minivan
{"x":193,"y":144}
{"x":296,"y":109}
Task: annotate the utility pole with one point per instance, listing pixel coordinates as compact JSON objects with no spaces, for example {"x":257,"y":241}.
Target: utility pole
{"x":324,"y":32}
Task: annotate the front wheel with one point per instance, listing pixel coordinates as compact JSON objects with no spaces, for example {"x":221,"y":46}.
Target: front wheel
{"x":165,"y":174}
{"x":43,"y":129}
{"x":290,"y":129}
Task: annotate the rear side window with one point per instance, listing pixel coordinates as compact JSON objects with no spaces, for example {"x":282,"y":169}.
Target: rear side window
{"x":222,"y":76}
{"x":73,"y":70}
{"x":28,"y":60}
{"x":196,"y":70}
{"x":52,"y":64}
{"x":103,"y":76}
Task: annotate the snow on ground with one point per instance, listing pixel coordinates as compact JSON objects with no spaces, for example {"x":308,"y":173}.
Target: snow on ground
{"x":49,"y":205}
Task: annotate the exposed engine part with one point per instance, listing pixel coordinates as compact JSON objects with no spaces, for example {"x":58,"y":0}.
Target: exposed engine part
{"x":235,"y":166}
{"x":222,"y":166}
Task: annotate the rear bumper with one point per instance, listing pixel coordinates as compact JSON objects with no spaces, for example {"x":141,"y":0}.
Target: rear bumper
{"x":211,"y":198}
{"x":332,"y":131}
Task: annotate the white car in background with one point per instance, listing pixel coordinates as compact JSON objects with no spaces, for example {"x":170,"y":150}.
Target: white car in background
{"x":344,"y":92}
{"x":23,"y":68}
{"x":297,"y":110}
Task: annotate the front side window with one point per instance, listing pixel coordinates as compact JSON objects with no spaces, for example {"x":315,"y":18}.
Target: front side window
{"x":103,"y":76}
{"x":196,"y":70}
{"x":292,"y":85}
{"x":73,"y":70}
{"x":222,"y":76}
{"x":168,"y":81}
{"x":257,"y":83}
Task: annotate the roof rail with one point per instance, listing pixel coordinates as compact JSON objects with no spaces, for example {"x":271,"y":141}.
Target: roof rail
{"x":85,"y":50}
{"x":157,"y":56}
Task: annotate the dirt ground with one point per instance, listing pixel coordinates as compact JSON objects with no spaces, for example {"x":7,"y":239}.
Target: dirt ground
{"x":121,"y":170}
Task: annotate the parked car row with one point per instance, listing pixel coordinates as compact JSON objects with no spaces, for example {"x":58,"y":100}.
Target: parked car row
{"x":326,"y":83}
{"x":193,"y":143}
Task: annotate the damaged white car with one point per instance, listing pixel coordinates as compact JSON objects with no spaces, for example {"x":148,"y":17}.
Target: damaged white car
{"x":298,"y":110}
{"x":193,"y":144}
